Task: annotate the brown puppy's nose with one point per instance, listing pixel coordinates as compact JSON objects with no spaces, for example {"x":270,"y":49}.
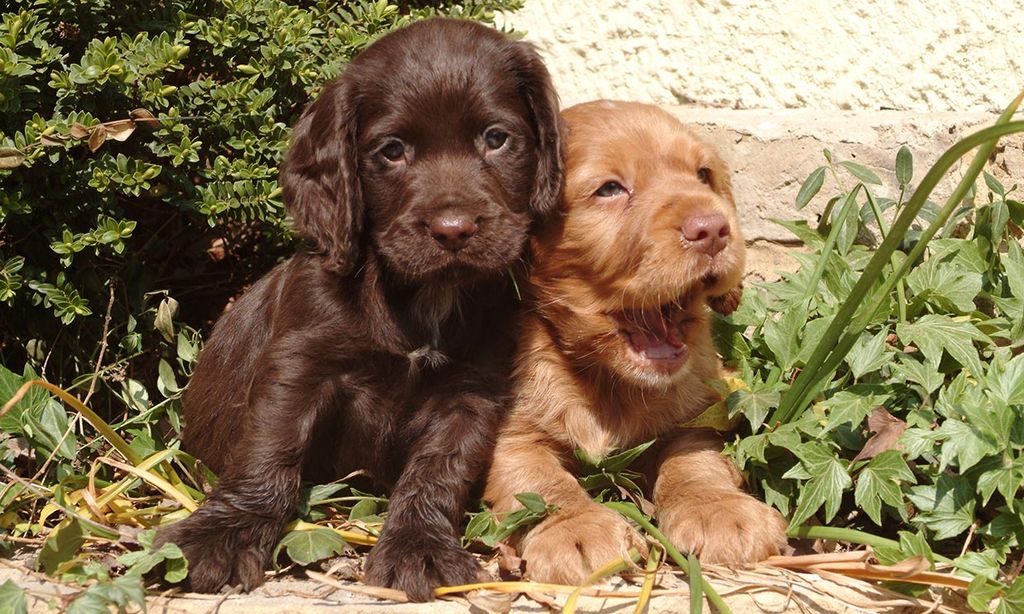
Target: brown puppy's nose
{"x":452,"y":230}
{"x":707,"y":233}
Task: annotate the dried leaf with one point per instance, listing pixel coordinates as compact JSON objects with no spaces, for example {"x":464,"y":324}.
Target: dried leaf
{"x":508,"y":559}
{"x":10,"y":157}
{"x":493,"y":602}
{"x":887,"y":428}
{"x":79,"y":131}
{"x":98,"y":137}
{"x":51,"y":139}
{"x":144,"y":117}
{"x":119,"y":130}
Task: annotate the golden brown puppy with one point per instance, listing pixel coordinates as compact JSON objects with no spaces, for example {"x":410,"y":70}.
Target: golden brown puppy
{"x":618,"y":349}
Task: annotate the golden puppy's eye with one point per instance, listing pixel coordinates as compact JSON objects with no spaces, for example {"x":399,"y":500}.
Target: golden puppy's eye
{"x":609,"y":189}
{"x":704,"y":175}
{"x":393,"y":150}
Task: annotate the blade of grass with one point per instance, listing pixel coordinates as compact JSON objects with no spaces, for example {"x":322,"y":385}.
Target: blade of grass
{"x":650,"y":574}
{"x":883,"y":230}
{"x":610,"y":568}
{"x":155,"y":481}
{"x":833,"y":236}
{"x":632,"y":513}
{"x":97,"y":423}
{"x":797,"y":396}
{"x":696,"y":585}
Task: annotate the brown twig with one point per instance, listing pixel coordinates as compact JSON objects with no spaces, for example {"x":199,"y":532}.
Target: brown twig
{"x":103,"y":345}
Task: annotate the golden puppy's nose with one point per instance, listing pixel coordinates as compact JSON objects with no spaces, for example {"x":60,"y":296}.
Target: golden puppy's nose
{"x":452,"y":230}
{"x":708,"y":233}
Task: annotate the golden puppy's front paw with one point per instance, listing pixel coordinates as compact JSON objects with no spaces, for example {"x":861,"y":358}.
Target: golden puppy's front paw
{"x":570,"y":546}
{"x":731,"y":527}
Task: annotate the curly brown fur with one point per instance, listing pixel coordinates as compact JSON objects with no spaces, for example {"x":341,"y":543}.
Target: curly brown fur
{"x":415,"y":178}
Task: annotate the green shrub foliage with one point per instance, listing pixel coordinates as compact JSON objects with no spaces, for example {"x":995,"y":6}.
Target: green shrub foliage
{"x":139,"y":144}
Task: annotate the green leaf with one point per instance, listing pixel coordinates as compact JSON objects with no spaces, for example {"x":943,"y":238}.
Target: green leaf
{"x":12,"y":598}
{"x":753,"y":404}
{"x":861,"y":172}
{"x":363,"y":509}
{"x":619,"y":461}
{"x":994,"y":185}
{"x":945,"y":285}
{"x":880,"y":481}
{"x":980,"y":593}
{"x":829,"y":479}
{"x":904,"y":166}
{"x":936,"y":332}
{"x":532,"y":502}
{"x":964,"y":443}
{"x":1013,"y":599}
{"x":142,"y":562}
{"x":305,"y":547}
{"x":868,"y":354}
{"x":851,"y":406}
{"x":61,"y":545}
{"x":946,"y":507}
{"x":810,"y":187}
{"x":782,"y":336}
{"x":1006,"y":381}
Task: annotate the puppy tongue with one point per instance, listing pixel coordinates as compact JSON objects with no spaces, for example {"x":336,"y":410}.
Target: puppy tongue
{"x":653,"y":335}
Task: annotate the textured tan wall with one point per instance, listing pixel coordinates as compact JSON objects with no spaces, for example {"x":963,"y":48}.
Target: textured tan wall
{"x":759,"y":54}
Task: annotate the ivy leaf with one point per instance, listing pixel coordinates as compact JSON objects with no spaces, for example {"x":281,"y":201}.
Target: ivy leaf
{"x":829,"y":479}
{"x":945,"y":285}
{"x":753,"y":404}
{"x":305,"y":547}
{"x":963,"y":443}
{"x":1013,"y":599}
{"x":867,"y":354}
{"x":12,"y":598}
{"x":946,"y":507}
{"x":880,"y":482}
{"x":936,"y":332}
{"x":850,"y":407}
{"x":61,"y":545}
{"x":980,"y":593}
{"x":782,"y":335}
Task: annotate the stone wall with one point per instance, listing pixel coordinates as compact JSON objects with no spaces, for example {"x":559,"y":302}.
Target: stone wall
{"x":911,"y":55}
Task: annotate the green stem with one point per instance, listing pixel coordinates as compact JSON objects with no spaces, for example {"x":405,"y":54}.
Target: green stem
{"x":634,"y":514}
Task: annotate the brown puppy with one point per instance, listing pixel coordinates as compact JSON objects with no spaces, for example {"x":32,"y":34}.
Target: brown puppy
{"x":384,"y":346}
{"x":618,"y":350}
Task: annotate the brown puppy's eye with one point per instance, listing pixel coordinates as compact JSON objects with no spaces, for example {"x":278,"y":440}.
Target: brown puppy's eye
{"x":609,"y":189}
{"x":704,"y":175}
{"x":393,"y":151}
{"x":495,"y":138}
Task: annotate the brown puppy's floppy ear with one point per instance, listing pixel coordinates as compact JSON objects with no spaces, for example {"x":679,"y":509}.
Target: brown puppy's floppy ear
{"x":535,"y":85}
{"x":320,"y":179}
{"x":728,"y":302}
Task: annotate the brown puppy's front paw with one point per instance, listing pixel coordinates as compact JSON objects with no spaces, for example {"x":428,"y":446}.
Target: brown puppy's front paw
{"x":570,"y":546}
{"x":231,"y":553}
{"x":729,"y":527}
{"x":417,"y":562}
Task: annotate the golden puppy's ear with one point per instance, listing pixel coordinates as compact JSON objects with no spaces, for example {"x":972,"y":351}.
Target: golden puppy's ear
{"x":728,"y":302}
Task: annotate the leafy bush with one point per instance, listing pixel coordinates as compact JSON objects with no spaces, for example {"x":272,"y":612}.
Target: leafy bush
{"x":900,"y":413}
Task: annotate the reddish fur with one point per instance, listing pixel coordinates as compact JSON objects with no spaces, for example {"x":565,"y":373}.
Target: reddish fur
{"x":577,"y":386}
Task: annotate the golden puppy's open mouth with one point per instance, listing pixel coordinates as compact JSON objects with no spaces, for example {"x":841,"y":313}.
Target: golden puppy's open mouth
{"x":655,"y":338}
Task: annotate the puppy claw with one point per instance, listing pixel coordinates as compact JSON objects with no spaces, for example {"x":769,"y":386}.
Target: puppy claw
{"x":568,"y":548}
{"x":734,"y":528}
{"x":417,"y":563}
{"x":232,"y":552}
